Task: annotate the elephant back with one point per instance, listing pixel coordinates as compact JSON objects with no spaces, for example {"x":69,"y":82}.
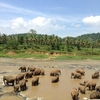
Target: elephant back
{"x":31,"y":69}
{"x":37,"y":71}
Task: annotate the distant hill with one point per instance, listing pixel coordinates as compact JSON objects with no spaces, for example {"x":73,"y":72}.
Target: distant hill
{"x":92,"y":36}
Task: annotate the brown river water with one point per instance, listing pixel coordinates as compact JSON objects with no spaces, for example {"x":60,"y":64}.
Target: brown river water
{"x":47,"y":90}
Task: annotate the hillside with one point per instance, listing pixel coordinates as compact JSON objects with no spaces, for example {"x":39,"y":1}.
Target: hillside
{"x":92,"y":36}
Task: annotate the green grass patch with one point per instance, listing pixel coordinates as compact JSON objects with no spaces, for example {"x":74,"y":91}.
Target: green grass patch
{"x":44,"y":56}
{"x":25,"y":55}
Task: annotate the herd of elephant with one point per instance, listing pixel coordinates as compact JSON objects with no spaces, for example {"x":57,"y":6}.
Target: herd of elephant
{"x":19,"y":82}
{"x":90,"y":84}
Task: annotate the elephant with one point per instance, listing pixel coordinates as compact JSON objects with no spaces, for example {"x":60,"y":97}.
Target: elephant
{"x":19,"y":77}
{"x":23,"y":69}
{"x":81,"y":89}
{"x":75,"y":94}
{"x":97,"y":88}
{"x":8,"y":79}
{"x":96,"y":72}
{"x":76,"y":75}
{"x":55,"y":79}
{"x":90,"y":84}
{"x":95,"y":95}
{"x":55,"y":72}
{"x":22,"y":84}
{"x":16,"y":88}
{"x":28,"y":74}
{"x":95,"y":75}
{"x":42,"y":72}
{"x":31,"y":69}
{"x":83,"y":84}
{"x":35,"y":81}
{"x":37,"y":72}
{"x":82,"y":72}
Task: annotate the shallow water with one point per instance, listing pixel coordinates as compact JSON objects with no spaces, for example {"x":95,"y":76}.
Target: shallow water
{"x":47,"y":90}
{"x":53,"y":91}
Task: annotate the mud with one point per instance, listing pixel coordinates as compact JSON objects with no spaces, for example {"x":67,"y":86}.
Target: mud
{"x":47,"y":90}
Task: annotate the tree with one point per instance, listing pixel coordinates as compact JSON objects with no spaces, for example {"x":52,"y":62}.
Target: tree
{"x":33,"y":31}
{"x":12,"y":44}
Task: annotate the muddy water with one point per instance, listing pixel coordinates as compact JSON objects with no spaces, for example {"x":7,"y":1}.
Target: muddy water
{"x":47,"y":90}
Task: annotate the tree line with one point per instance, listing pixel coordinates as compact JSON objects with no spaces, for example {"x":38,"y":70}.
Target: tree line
{"x":43,"y":42}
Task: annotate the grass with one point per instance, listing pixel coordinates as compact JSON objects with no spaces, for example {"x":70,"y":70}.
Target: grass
{"x":25,"y":55}
{"x":44,"y":56}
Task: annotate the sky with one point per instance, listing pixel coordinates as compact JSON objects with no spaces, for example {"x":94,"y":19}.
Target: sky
{"x":59,"y":17}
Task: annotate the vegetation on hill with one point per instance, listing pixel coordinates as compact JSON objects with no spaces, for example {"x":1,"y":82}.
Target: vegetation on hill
{"x":33,"y":43}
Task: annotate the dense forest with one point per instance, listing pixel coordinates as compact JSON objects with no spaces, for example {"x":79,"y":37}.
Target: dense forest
{"x":31,"y":41}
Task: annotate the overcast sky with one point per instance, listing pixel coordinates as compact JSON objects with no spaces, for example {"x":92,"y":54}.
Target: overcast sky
{"x":59,"y":17}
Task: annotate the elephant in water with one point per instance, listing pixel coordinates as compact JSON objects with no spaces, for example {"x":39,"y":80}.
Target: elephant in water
{"x":20,"y":77}
{"x":31,"y":69}
{"x":37,"y":72}
{"x":97,"y":88}
{"x":23,"y":69}
{"x":96,"y":72}
{"x":95,"y":95}
{"x":81,"y":89}
{"x":76,"y":75}
{"x":35,"y":81}
{"x":16,"y":88}
{"x":22,"y":84}
{"x":90,"y":84}
{"x":95,"y":76}
{"x":81,"y":71}
{"x":28,"y":74}
{"x":82,"y":83}
{"x":8,"y":79}
{"x":55,"y":79}
{"x":55,"y":72}
{"x":74,"y":94}
{"x":42,"y":72}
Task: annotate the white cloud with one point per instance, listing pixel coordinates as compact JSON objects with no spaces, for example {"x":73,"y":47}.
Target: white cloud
{"x":92,"y":20}
{"x":40,"y":21}
{"x":19,"y":25}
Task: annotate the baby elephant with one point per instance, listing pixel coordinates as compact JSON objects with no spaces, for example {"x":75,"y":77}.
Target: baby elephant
{"x":22,"y":84}
{"x":16,"y":88}
{"x":55,"y":79}
{"x":81,"y":89}
{"x":75,"y":94}
{"x":35,"y":81}
{"x":23,"y":69}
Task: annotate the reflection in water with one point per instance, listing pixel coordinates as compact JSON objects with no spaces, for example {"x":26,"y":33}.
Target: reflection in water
{"x":52,"y":91}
